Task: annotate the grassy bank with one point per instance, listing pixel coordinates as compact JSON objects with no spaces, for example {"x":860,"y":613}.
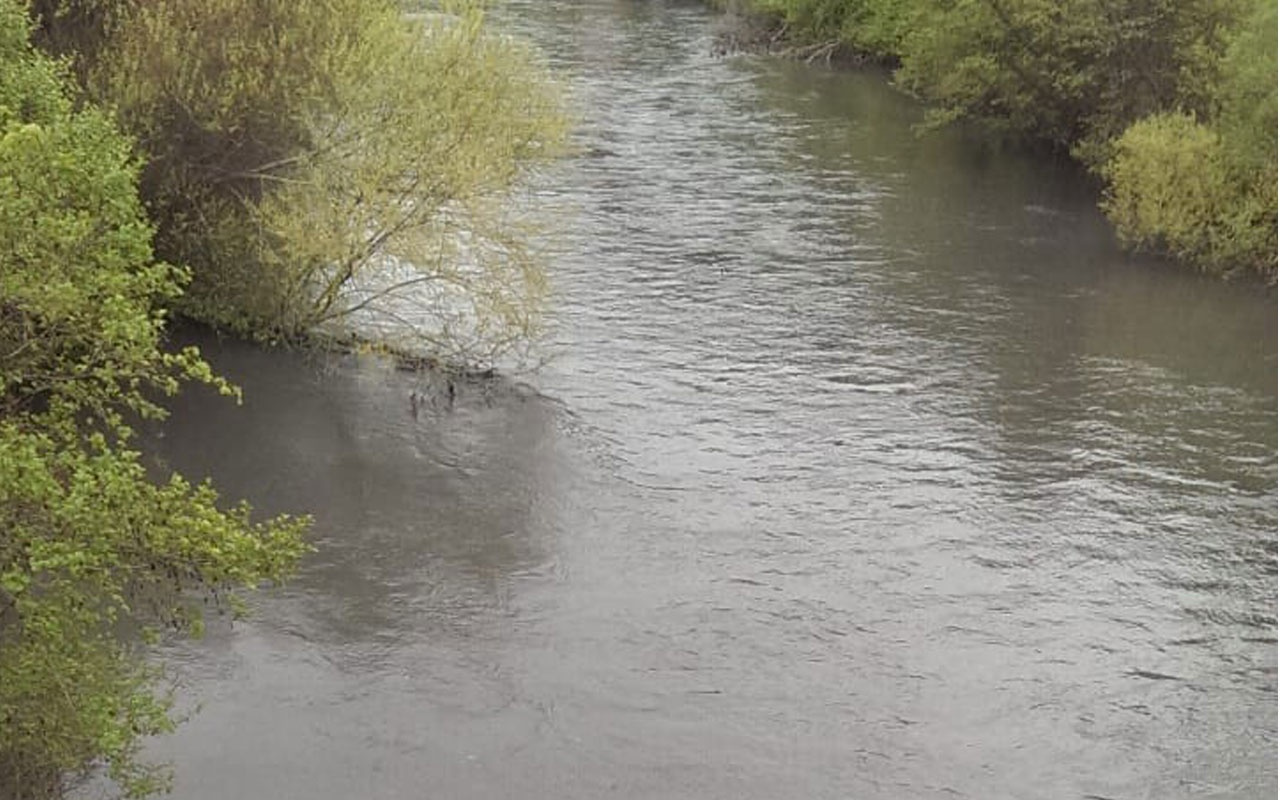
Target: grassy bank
{"x":1172,"y":103}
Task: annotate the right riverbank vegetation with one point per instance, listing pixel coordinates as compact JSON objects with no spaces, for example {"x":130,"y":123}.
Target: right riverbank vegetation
{"x":1171,"y":103}
{"x":243,"y":163}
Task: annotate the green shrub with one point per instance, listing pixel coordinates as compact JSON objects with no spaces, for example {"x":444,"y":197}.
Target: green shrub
{"x":1206,"y":191}
{"x":1247,"y":94}
{"x":1173,"y":187}
{"x":1071,"y":72}
{"x":88,"y":544}
{"x":293,"y":147}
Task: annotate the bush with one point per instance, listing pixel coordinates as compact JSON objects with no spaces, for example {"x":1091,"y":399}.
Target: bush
{"x":1072,"y":73}
{"x":87,"y":543}
{"x":293,"y":147}
{"x":1247,"y":111}
{"x":1206,"y":191}
{"x":1174,"y":188}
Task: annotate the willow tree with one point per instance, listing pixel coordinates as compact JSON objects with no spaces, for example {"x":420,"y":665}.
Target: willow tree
{"x":89,"y":544}
{"x":309,"y":159}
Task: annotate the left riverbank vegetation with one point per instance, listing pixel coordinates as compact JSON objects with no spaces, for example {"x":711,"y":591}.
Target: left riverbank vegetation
{"x":90,"y":545}
{"x":243,"y":164}
{"x":306,"y":160}
{"x":1171,"y":103}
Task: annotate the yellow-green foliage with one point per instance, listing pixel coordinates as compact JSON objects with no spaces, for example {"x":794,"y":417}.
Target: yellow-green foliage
{"x":1073,"y":73}
{"x":294,"y":145}
{"x":87,"y":542}
{"x":1247,"y":111}
{"x":1173,"y":188}
{"x":1206,"y":191}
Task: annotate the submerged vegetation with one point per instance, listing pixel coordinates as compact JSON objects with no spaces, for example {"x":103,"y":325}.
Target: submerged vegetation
{"x":1171,"y":102}
{"x":272,"y":153}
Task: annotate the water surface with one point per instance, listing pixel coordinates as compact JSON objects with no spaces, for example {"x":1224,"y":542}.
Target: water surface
{"x":865,"y":466}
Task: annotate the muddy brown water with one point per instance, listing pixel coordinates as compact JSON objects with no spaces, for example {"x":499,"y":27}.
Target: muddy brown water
{"x":866,"y":467}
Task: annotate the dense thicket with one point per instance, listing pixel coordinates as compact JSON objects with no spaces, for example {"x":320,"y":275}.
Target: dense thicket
{"x":1171,"y":101}
{"x":294,"y":147}
{"x":88,"y":543}
{"x":1203,"y":186}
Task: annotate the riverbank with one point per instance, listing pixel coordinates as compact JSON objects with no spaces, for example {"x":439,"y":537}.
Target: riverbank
{"x":1175,"y":114}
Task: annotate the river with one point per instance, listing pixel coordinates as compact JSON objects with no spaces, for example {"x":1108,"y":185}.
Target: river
{"x":864,"y":466}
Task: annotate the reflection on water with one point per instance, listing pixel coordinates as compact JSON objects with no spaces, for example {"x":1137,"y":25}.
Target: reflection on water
{"x":866,"y":466}
{"x":376,"y":453}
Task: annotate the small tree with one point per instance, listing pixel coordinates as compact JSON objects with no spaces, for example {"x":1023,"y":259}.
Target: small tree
{"x":307,"y":159}
{"x":87,"y":542}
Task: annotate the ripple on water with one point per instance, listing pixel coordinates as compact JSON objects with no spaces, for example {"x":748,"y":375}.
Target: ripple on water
{"x":865,"y":466}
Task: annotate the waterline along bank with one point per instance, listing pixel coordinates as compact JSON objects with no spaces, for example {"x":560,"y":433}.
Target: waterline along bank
{"x":1172,"y":105}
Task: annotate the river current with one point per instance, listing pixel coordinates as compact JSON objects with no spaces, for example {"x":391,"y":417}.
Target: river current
{"x":864,"y":465}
